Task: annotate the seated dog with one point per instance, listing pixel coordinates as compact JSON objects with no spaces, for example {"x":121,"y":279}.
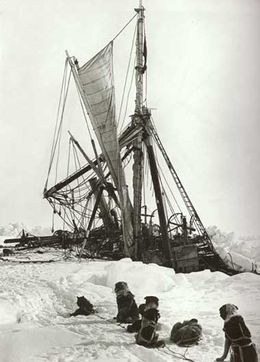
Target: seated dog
{"x":186,"y":333}
{"x":150,"y":302}
{"x":237,"y":336}
{"x":146,"y":335}
{"x":127,"y":308}
{"x":85,"y":307}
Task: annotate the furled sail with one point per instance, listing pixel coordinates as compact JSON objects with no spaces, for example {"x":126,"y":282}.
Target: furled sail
{"x":97,"y":89}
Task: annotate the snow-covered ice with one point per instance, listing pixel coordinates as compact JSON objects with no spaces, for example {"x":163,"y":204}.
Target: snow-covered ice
{"x":35,"y":300}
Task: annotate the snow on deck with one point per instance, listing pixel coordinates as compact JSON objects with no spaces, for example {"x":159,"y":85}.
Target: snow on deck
{"x":36,"y":299}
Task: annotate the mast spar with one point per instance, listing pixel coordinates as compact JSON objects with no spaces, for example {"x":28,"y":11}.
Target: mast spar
{"x":137,"y":121}
{"x":139,"y":58}
{"x":142,"y":117}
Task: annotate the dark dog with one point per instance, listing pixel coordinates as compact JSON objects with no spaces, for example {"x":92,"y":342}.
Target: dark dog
{"x":146,"y":335}
{"x":127,"y":308}
{"x":237,"y":336}
{"x":186,"y":333}
{"x":150,"y":302}
{"x":7,"y":252}
{"x":85,"y":307}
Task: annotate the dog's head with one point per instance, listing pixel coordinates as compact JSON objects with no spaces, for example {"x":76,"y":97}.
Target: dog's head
{"x":121,"y":288}
{"x":82,"y":301}
{"x":151,"y":302}
{"x":227,"y":310}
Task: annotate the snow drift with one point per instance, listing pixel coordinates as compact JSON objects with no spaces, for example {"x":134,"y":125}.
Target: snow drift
{"x":36,"y":299}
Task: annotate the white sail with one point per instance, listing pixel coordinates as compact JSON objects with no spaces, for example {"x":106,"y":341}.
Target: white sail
{"x":96,"y":79}
{"x":97,"y":83}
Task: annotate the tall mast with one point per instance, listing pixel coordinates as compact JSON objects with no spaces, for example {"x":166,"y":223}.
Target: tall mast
{"x":142,"y":117}
{"x":137,"y":120}
{"x":139,"y":58}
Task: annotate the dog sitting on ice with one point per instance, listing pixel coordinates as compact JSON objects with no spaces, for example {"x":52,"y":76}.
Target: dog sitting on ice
{"x":127,"y":308}
{"x":85,"y":307}
{"x":237,"y":336}
{"x":147,"y":335}
{"x":150,"y":302}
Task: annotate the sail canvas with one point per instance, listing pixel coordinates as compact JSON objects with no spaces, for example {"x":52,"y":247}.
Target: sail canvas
{"x":97,"y":83}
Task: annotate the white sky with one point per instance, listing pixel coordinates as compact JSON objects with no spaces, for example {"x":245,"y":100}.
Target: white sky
{"x":204,"y":81}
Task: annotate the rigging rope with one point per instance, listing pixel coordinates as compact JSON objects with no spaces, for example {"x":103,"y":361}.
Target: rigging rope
{"x":58,"y":139}
{"x":146,"y":76}
{"x":84,"y":112}
{"x":152,"y":121}
{"x":169,"y":191}
{"x":123,"y":28}
{"x":126,"y":77}
{"x":127,"y":99}
{"x":163,"y":189}
{"x":57,"y":120}
{"x":143,"y":175}
{"x":52,"y":224}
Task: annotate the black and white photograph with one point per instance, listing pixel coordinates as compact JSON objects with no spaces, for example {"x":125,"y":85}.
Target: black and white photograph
{"x":130,"y":175}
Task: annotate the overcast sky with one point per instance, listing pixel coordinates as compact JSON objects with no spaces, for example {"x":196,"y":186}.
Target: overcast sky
{"x":204,"y":82}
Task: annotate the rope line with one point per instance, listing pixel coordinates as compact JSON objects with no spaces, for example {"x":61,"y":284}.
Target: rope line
{"x":126,"y":77}
{"x":53,"y":147}
{"x":177,"y":355}
{"x":127,"y":99}
{"x":58,"y":139}
{"x":84,"y":112}
{"x":124,"y":27}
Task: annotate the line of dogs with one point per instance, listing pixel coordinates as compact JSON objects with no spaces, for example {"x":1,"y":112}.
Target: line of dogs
{"x":186,"y":333}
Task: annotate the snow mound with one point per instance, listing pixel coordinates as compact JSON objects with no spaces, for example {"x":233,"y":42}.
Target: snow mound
{"x":152,"y":277}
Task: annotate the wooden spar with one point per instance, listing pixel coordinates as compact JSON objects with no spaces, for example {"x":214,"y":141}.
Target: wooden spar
{"x":93,"y":166}
{"x":98,"y":197}
{"x":139,"y":57}
{"x":103,"y":206}
{"x":125,"y":139}
{"x":96,"y":170}
{"x":50,"y":192}
{"x":142,"y":116}
{"x":97,"y":158}
{"x":159,"y":202}
{"x":53,"y":190}
{"x":137,"y":120}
